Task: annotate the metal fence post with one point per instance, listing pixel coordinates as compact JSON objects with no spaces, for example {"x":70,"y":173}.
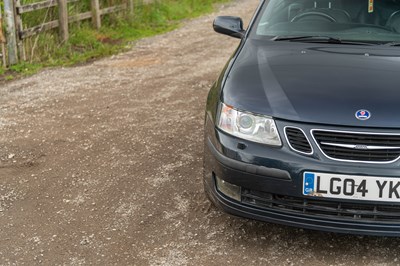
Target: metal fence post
{"x":96,"y":14}
{"x":63,"y":20}
{"x":19,"y":28}
{"x":11,"y":31}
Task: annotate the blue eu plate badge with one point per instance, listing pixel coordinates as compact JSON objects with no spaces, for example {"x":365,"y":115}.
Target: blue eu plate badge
{"x":308,"y":183}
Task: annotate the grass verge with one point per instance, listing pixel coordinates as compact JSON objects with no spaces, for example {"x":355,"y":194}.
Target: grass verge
{"x":117,"y":33}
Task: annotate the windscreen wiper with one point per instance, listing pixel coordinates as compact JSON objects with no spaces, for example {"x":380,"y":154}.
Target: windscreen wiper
{"x":316,"y":38}
{"x":307,"y":38}
{"x":392,"y":44}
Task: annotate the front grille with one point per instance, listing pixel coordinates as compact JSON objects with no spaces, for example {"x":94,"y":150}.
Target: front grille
{"x":297,"y":140}
{"x":317,"y":207}
{"x":358,"y":146}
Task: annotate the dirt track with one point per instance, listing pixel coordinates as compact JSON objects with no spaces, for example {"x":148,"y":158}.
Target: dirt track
{"x":101,"y":164}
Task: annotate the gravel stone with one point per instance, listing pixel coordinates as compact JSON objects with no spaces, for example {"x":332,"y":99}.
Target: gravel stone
{"x":101,"y":164}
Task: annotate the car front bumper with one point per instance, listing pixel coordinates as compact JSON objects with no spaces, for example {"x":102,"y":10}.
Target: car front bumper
{"x":271,"y":187}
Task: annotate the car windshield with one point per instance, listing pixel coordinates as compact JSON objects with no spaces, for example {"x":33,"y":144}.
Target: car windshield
{"x":372,"y":21}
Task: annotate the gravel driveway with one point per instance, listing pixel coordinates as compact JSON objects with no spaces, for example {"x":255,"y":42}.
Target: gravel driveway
{"x":102,"y":164}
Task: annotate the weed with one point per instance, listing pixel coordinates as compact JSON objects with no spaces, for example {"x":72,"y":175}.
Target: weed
{"x":26,"y":68}
{"x":117,"y":31}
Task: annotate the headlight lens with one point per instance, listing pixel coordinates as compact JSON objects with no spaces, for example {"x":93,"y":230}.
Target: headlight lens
{"x":248,"y":126}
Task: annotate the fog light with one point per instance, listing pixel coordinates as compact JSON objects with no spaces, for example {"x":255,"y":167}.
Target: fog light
{"x":228,"y":189}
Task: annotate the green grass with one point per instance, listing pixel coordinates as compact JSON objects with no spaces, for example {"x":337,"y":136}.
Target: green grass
{"x":117,"y":32}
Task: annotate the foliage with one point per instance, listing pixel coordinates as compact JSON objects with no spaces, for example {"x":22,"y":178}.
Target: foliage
{"x":117,"y":32}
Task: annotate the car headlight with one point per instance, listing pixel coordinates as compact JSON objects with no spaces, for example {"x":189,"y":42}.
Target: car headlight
{"x":257,"y":128}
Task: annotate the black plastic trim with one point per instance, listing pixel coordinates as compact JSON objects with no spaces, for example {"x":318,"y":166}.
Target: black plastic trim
{"x":303,"y":221}
{"x":248,"y":168}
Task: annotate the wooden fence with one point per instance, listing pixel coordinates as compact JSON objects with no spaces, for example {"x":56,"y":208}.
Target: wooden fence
{"x":15,"y":33}
{"x":2,"y":42}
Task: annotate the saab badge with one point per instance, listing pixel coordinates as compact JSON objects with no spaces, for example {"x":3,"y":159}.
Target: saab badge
{"x":363,"y":114}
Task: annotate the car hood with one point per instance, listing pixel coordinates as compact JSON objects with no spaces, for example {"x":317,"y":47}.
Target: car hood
{"x":317,"y":83}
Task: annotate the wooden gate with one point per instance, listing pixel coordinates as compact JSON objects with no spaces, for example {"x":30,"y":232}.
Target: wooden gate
{"x":15,"y":33}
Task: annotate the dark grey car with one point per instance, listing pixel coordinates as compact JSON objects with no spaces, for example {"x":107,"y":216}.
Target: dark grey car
{"x":303,"y":125}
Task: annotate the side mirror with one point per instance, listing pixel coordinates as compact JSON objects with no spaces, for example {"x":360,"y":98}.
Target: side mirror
{"x":231,"y":26}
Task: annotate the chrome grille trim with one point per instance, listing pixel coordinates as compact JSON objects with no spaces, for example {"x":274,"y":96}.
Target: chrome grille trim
{"x":361,"y":147}
{"x":359,"y":133}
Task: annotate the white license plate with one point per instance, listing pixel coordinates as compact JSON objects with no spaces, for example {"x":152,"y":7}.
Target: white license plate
{"x":351,"y":187}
